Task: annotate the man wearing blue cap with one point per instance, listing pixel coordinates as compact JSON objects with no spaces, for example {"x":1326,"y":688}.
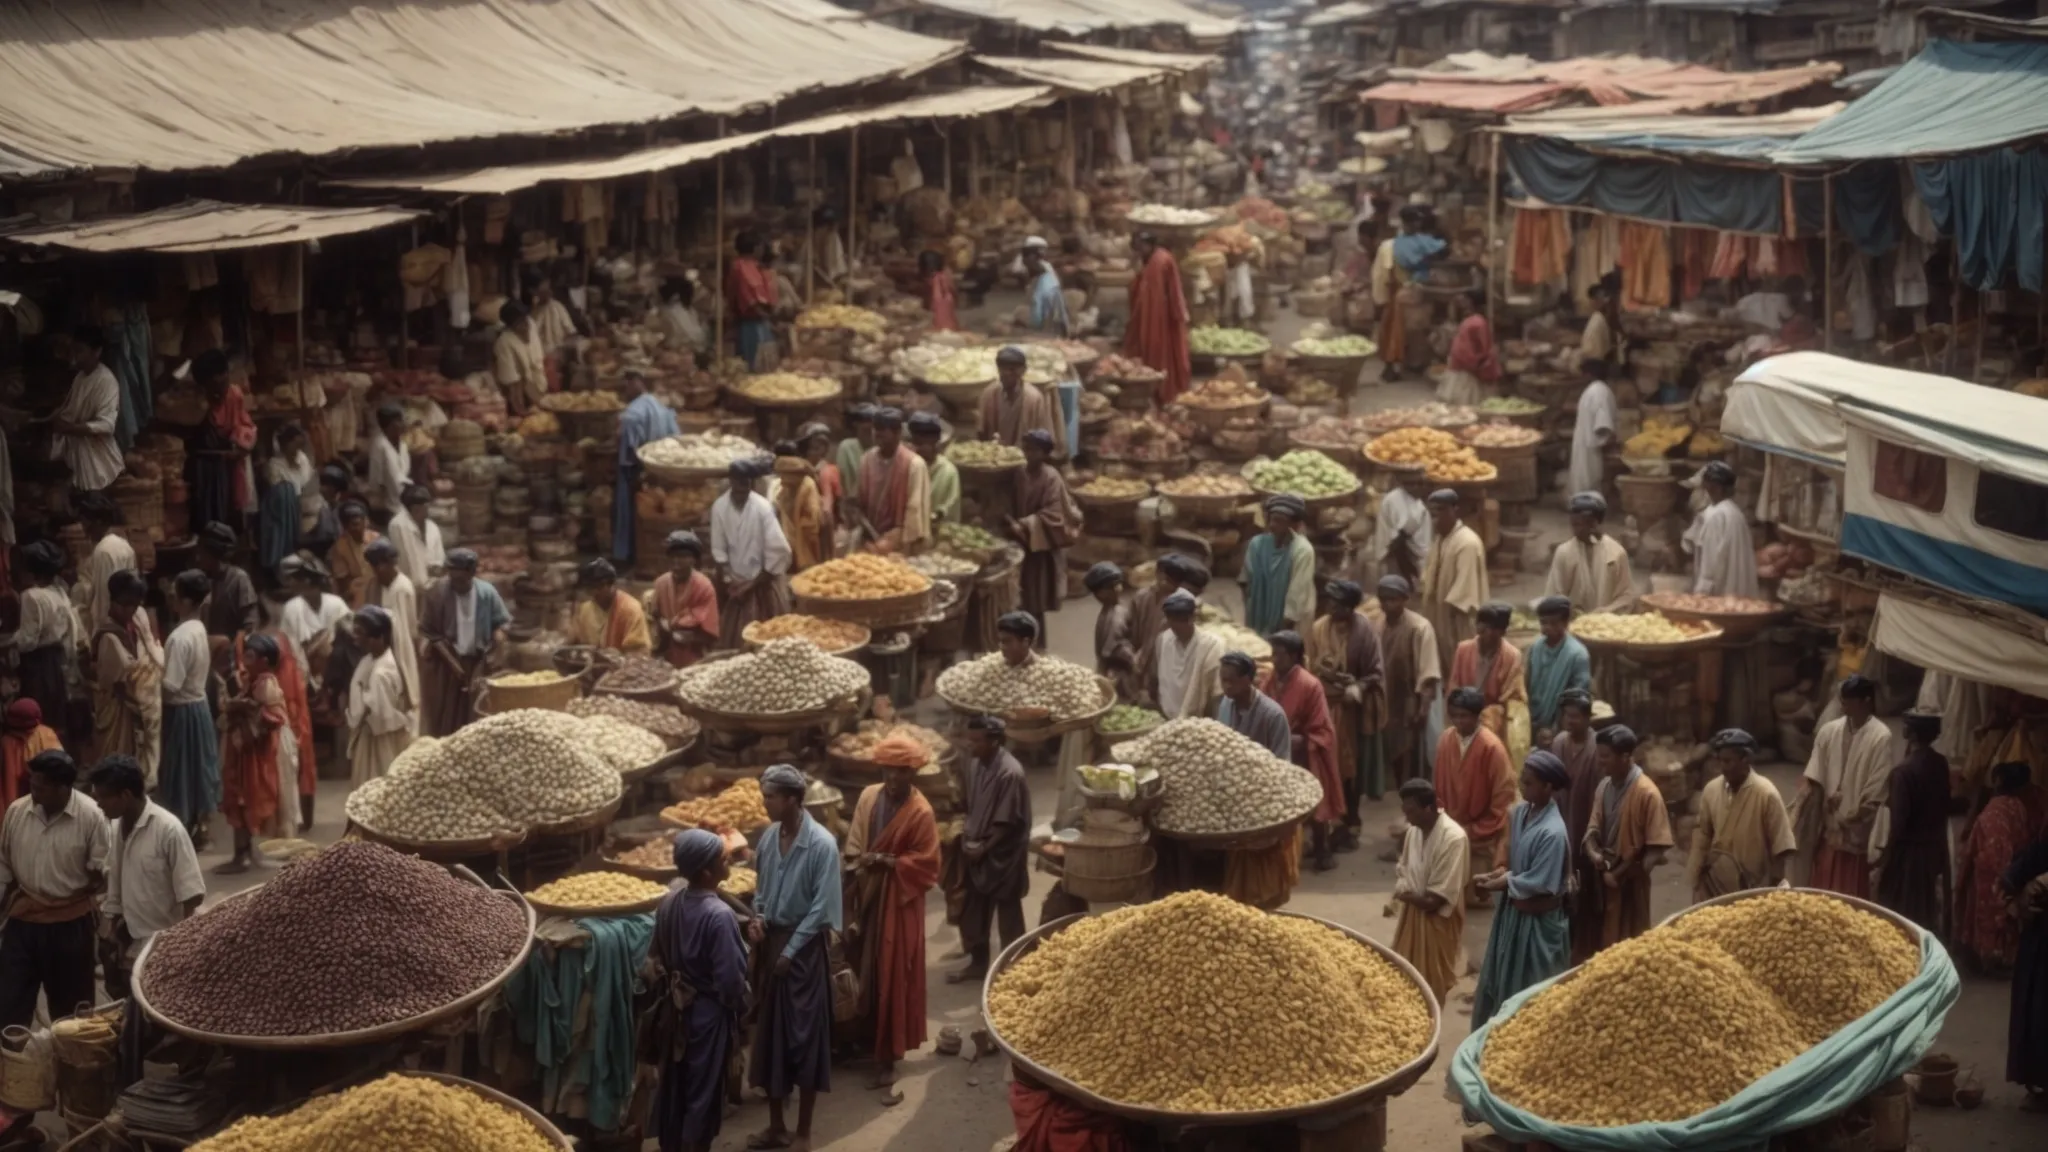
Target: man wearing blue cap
{"x":799,"y":898}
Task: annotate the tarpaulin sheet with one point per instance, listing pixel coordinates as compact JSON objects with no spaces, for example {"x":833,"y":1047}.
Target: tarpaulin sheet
{"x":1960,"y":644}
{"x":1343,"y":13}
{"x":1694,"y":194}
{"x":1171,"y":61}
{"x":506,"y":178}
{"x":1082,"y":16}
{"x":1628,"y":128}
{"x":1993,"y":205}
{"x":1466,"y":96}
{"x":1951,"y":99}
{"x":193,"y":84}
{"x":1071,"y":75}
{"x":211,"y":226}
{"x":1673,"y":86}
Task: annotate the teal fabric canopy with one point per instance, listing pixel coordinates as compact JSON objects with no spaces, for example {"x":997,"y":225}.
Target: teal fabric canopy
{"x":1951,"y":99}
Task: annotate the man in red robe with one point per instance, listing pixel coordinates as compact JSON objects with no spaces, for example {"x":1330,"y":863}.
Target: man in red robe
{"x":685,"y":602}
{"x":894,"y":497}
{"x":1474,"y":784}
{"x":1301,"y":696}
{"x":892,"y":860}
{"x":750,"y":293}
{"x":1158,"y":332}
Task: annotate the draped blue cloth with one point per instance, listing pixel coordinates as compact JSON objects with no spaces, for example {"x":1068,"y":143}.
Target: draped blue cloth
{"x":1524,"y":949}
{"x":644,"y":421}
{"x":1551,"y":672}
{"x":546,"y":994}
{"x":1869,"y":206}
{"x":1414,"y":250}
{"x":1992,"y":204}
{"x":1267,"y":570}
{"x":1049,"y":305}
{"x":189,"y":779}
{"x":127,"y":356}
{"x":277,"y":524}
{"x":1691,"y":192}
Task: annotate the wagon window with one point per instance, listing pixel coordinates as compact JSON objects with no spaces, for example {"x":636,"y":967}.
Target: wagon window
{"x":1912,"y":477}
{"x":2014,"y":507}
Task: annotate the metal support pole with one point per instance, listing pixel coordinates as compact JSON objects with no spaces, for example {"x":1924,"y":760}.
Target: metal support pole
{"x":1827,"y":322}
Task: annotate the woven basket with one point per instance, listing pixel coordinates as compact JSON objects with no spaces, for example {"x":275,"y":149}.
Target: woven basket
{"x":503,"y":697}
{"x":141,"y":502}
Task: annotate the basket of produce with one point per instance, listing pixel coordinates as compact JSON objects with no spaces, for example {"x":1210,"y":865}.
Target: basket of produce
{"x":1119,"y":787}
{"x":1043,"y":698}
{"x":859,"y":321}
{"x":1337,"y":437}
{"x":513,"y":690}
{"x":1515,"y":410}
{"x":985,"y":461}
{"x":403,"y":944}
{"x":968,"y":540}
{"x":738,"y":806}
{"x":1070,"y":1003}
{"x":786,"y":686}
{"x":1213,"y":343}
{"x":851,"y":754}
{"x":1214,"y":403}
{"x":585,"y":415}
{"x":509,"y":775}
{"x":1174,"y":226}
{"x":1411,"y":449}
{"x":945,"y":567}
{"x":645,"y":678}
{"x":632,"y":751}
{"x":1137,"y":383}
{"x":701,"y":458}
{"x":1430,"y":415}
{"x":832,"y":637}
{"x":1510,"y":449}
{"x":1128,"y":722}
{"x":1319,"y":481}
{"x":786,"y":390}
{"x":1641,"y":632}
{"x":665,"y":721}
{"x":1111,"y":494}
{"x":1735,"y":616}
{"x":1810,"y":1001}
{"x":1222,"y":790}
{"x":594,"y":895}
{"x":649,"y":855}
{"x":371,"y":1113}
{"x":878,"y":591}
{"x":824,"y":802}
{"x":1335,"y":354}
{"x":1207,"y":495}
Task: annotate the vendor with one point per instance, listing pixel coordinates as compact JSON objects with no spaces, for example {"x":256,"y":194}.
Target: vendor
{"x":1602,"y":339}
{"x":395,"y":593}
{"x":1626,"y":839}
{"x":1157,"y":335}
{"x":516,"y":361}
{"x":892,"y":495}
{"x":153,"y":877}
{"x":1593,"y":430}
{"x":1010,"y":407}
{"x":685,"y":602}
{"x":1723,"y":556}
{"x":1401,"y":532}
{"x":751,"y":552}
{"x":1472,"y":366}
{"x":997,"y":836}
{"x":1280,"y":570}
{"x":1148,"y":608}
{"x":1744,"y":835}
{"x":644,"y":421}
{"x":1848,"y":777}
{"x":1489,"y":663}
{"x":348,"y":559}
{"x":418,"y":539}
{"x":54,"y":845}
{"x":606,"y":619}
{"x":681,"y":330}
{"x":1047,"y":300}
{"x":1313,"y":736}
{"x":223,"y":486}
{"x":83,"y":426}
{"x":462,"y":630}
{"x":1401,"y":260}
{"x":891,"y":857}
{"x":381,"y":713}
{"x":1474,"y":781}
{"x":698,"y":940}
{"x":1530,"y":940}
{"x":814,"y":440}
{"x":1344,"y":653}
{"x":799,"y":899}
{"x":1591,"y":570}
{"x":925,"y":433}
{"x":750,"y":294}
{"x":1183,"y":672}
{"x":1115,"y":657}
{"x":1262,"y":877}
{"x":860,"y":436}
{"x":1430,"y":878}
{"x":390,"y":462}
{"x":939,"y":295}
{"x":800,"y":508}
{"x":1454,"y":582}
{"x":1559,"y":664}
{"x":1045,"y":521}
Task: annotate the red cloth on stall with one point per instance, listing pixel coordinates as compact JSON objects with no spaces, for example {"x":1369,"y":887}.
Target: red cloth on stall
{"x":1301,"y":696}
{"x":1158,"y":332}
{"x":1049,"y":1123}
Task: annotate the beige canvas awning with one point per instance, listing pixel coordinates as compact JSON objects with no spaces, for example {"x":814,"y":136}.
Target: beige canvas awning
{"x":195,"y":84}
{"x":211,"y":226}
{"x":504,"y":179}
{"x":1082,"y":16}
{"x":1071,"y":75}
{"x":1171,"y":61}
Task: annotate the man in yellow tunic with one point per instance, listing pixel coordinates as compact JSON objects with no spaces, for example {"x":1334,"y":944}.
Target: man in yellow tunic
{"x":606,"y":619}
{"x":1429,"y":885}
{"x":1744,"y":835}
{"x":1454,"y":581}
{"x":1591,"y":569}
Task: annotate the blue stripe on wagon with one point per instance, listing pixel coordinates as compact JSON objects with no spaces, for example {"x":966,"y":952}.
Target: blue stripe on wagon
{"x":1957,"y":567}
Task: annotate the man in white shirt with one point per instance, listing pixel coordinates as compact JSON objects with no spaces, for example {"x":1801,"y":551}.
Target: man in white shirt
{"x":83,"y":426}
{"x":1401,"y":535}
{"x":516,"y":362}
{"x":553,"y":326}
{"x":390,"y":461}
{"x":418,"y":539}
{"x":54,"y":844}
{"x":111,"y":553}
{"x":1186,"y":669}
{"x":1594,"y":430}
{"x":1591,"y":569}
{"x":1723,"y":557}
{"x":1430,"y":879}
{"x":188,"y":780}
{"x":309,"y":617}
{"x":681,"y":330}
{"x":153,"y":877}
{"x":751,"y":552}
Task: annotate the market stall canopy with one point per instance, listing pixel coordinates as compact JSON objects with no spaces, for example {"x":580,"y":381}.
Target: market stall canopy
{"x":503,"y":179}
{"x":210,"y":226}
{"x":1085,"y":76}
{"x":1627,"y":129}
{"x":1656,"y":86}
{"x":193,"y":84}
{"x":1348,"y":12}
{"x":1951,"y":99}
{"x":1171,"y":61}
{"x":1079,"y":17}
{"x":1986,"y":649}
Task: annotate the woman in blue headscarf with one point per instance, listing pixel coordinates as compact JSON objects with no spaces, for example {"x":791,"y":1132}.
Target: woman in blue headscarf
{"x":1531,"y":937}
{"x":702,"y":961}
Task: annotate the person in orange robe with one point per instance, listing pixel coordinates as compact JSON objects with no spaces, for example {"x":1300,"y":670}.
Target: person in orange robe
{"x":250,"y":724}
{"x":750,"y":294}
{"x":938,"y":291}
{"x":1301,"y":696}
{"x":1474,"y":783}
{"x":1158,"y":331}
{"x":1494,"y":666}
{"x":606,"y":619}
{"x":298,"y":713}
{"x":892,"y":859}
{"x":685,"y":602}
{"x":815,"y":441}
{"x":23,"y":737}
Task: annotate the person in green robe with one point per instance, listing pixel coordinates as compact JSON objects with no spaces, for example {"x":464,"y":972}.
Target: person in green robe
{"x":860,"y":436}
{"x":925,"y":431}
{"x":1280,"y":571}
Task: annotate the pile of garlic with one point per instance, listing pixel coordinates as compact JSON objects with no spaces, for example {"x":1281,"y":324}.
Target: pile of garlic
{"x":623,"y":745}
{"x":1216,"y":780}
{"x":505,"y":772}
{"x":991,"y":684}
{"x":788,"y":675}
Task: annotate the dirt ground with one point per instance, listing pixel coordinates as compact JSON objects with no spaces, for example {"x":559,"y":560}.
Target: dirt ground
{"x":952,"y":1105}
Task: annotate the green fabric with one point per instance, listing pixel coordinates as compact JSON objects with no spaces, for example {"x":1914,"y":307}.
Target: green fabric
{"x":1372,"y":766}
{"x":1520,"y":950}
{"x":544,"y":994}
{"x":945,"y":491}
{"x":1951,"y":99}
{"x":848,"y":456}
{"x":1267,"y":571}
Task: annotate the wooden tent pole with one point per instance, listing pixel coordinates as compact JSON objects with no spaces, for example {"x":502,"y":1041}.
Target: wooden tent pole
{"x":1977,"y":358}
{"x":1827,"y":322}
{"x":852,"y":189}
{"x":811,"y":229}
{"x":1492,"y":221}
{"x":1955,"y":307}
{"x":946,"y":135}
{"x":718,"y":250}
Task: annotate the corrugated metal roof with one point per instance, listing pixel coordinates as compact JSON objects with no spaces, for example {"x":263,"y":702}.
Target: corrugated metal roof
{"x":504,"y":179}
{"x":211,"y":226}
{"x":1071,"y":75}
{"x":195,"y":84}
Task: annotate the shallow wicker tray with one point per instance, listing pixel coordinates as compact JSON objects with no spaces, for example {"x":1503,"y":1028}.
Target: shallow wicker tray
{"x":443,"y":851}
{"x":1468,"y":487}
{"x":754,"y":645}
{"x":1343,"y":1104}
{"x":1733,"y":625}
{"x":987,"y":473}
{"x":597,"y":817}
{"x":838,"y":390}
{"x":961,"y":396}
{"x":883,"y":612}
{"x":1389,"y":465}
{"x":351,"y":1039}
{"x":1212,"y":419}
{"x":769,"y":724}
{"x":1704,"y":639}
{"x":1110,"y":502}
{"x":1333,"y":364}
{"x":1051,"y":730}
{"x":673,"y":474}
{"x":1315,"y":504}
{"x":571,"y":912}
{"x":1237,"y":839}
{"x":1208,"y":505}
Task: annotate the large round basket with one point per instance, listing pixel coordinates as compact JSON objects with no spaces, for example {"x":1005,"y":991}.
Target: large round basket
{"x":1705,"y":639}
{"x":1347,"y":1103}
{"x":599,"y":912}
{"x":1209,"y":507}
{"x":961,"y":397}
{"x":790,"y":404}
{"x":1241,"y":839}
{"x":674,"y":474}
{"x":138,"y":988}
{"x":442,"y":851}
{"x":1212,"y":420}
{"x":1349,"y":455}
{"x":1396,"y":472}
{"x":1537,"y":419}
{"x":1333,"y":368}
{"x":597,"y":817}
{"x":1649,"y":498}
{"x":880,"y":612}
{"x":776,"y":723}
{"x":1038,"y":732}
{"x":1470,"y":492}
{"x":497,"y":696}
{"x":1112,"y":505}
{"x":548,"y":1131}
{"x":1316,"y":504}
{"x":1514,"y":469}
{"x":986,"y":475}
{"x":1733,"y":625}
{"x":867,"y":635}
{"x":1135,"y":395}
{"x":660,"y":693}
{"x":582,"y":423}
